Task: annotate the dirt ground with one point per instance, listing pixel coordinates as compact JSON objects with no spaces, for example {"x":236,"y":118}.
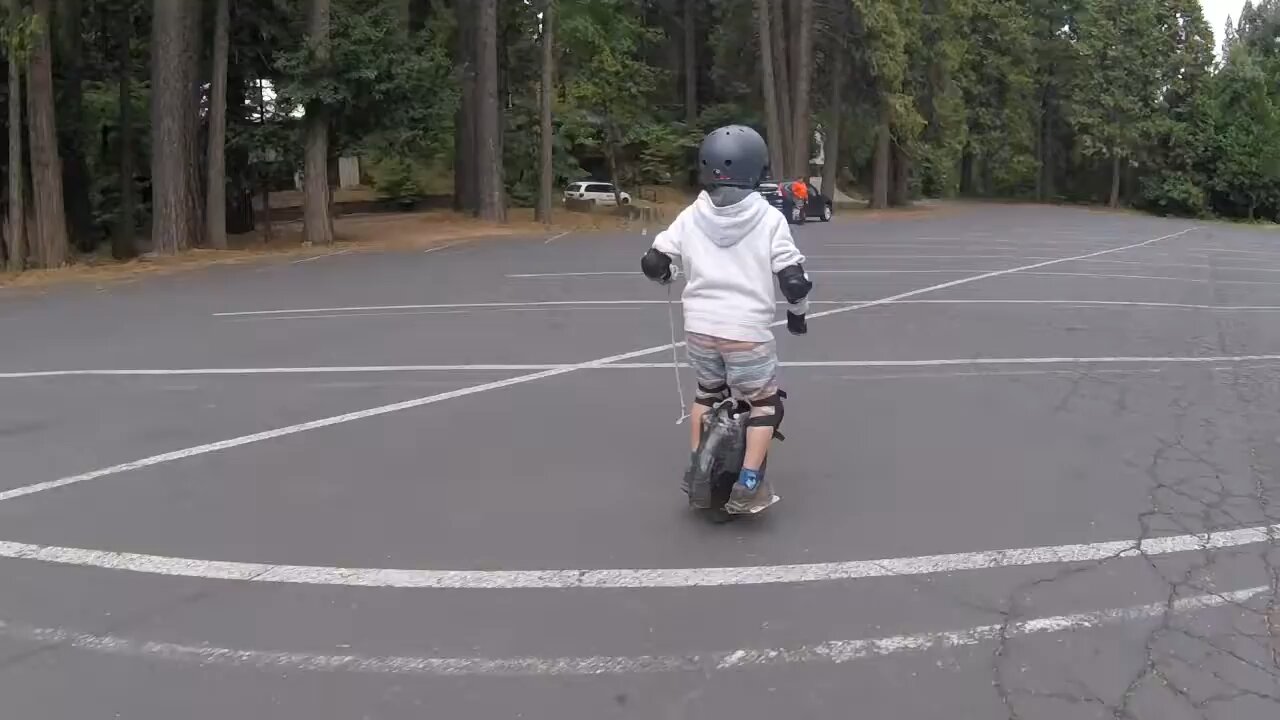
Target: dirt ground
{"x":372,"y":232}
{"x":353,"y":233}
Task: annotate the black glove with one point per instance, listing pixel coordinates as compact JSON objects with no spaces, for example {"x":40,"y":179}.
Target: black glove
{"x":657,"y":266}
{"x":796,"y":324}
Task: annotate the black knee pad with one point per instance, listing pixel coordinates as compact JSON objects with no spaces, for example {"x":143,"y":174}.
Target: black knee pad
{"x":775,"y":420}
{"x":711,"y":396}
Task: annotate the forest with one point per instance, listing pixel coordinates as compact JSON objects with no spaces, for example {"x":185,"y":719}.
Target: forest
{"x":161,"y":125}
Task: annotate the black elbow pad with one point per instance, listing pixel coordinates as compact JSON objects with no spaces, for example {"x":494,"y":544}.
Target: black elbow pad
{"x":795,"y":283}
{"x":656,"y":265}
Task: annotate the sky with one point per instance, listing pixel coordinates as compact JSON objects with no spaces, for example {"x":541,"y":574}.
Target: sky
{"x":1216,"y":12}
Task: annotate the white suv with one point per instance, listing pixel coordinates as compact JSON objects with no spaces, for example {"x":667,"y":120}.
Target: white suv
{"x":596,"y":192}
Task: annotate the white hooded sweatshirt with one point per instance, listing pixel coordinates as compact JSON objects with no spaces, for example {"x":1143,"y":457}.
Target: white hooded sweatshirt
{"x":729,"y":256}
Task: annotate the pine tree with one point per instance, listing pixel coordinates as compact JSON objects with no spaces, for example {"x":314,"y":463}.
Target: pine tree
{"x":1113,"y":102}
{"x":50,"y":244}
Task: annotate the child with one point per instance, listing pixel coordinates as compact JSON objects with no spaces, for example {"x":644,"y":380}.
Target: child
{"x":731,"y":243}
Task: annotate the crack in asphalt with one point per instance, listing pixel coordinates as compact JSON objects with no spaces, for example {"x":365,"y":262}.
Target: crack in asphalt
{"x":1212,"y":467}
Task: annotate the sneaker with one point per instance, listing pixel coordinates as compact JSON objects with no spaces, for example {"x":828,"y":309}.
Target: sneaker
{"x":744,"y":500}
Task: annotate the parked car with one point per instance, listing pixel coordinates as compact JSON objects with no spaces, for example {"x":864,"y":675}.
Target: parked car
{"x":819,"y":206}
{"x":597,"y":192}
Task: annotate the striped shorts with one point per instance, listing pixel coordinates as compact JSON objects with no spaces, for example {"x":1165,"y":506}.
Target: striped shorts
{"x":749,"y":369}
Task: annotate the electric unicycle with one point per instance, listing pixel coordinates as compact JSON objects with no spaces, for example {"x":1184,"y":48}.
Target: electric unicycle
{"x":718,"y":460}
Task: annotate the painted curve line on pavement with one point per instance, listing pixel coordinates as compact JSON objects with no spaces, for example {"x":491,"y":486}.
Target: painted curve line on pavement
{"x":374,"y":369}
{"x":634,"y":578}
{"x":832,"y":652}
{"x":508,"y":382}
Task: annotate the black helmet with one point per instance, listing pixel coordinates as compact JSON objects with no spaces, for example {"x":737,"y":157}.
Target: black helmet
{"x":732,"y":156}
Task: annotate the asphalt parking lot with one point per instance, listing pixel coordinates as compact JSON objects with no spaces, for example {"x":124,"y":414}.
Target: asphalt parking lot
{"x":1031,"y":472}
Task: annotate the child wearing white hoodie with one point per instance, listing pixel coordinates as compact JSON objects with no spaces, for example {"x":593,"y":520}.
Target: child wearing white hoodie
{"x":731,"y":244}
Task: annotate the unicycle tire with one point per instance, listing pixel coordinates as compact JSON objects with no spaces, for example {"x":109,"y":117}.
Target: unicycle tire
{"x":718,"y":516}
{"x":721,"y":487}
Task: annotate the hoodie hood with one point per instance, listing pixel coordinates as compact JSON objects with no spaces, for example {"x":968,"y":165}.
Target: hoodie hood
{"x":727,"y":226}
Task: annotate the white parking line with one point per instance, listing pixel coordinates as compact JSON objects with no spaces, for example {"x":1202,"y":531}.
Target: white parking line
{"x":575,"y":274}
{"x":1241,"y":252}
{"x":430,"y":306}
{"x":403,"y":313}
{"x":448,"y":245}
{"x":320,"y":257}
{"x":1085,"y":303}
{"x":1122,"y":277}
{"x":832,"y":652}
{"x":889,"y":272}
{"x":996,"y":373}
{"x":882,"y":272}
{"x":634,"y":578}
{"x":553,"y":238}
{"x":1244,"y":282}
{"x":508,"y":382}
{"x":323,"y":369}
{"x":928,"y":257}
{"x":587,"y":303}
{"x":531,"y":367}
{"x":978,"y":245}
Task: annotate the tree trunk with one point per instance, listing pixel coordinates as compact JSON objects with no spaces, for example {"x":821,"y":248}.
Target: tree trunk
{"x":46,"y":164}
{"x":835,"y":110}
{"x":122,"y":245}
{"x":880,"y":175}
{"x":546,"y":142}
{"x":782,"y":90}
{"x":174,"y":38}
{"x":802,"y":79}
{"x":1114,"y":201}
{"x":690,"y":65}
{"x":195,"y":178}
{"x":1046,"y":179}
{"x":773,"y":121}
{"x":465,"y":192}
{"x":16,"y":229}
{"x":611,"y":160}
{"x":488,"y":115}
{"x":215,"y":211}
{"x":264,"y":177}
{"x":75,"y":170}
{"x":317,"y":224}
{"x":900,"y":195}
{"x":966,"y":172}
{"x":830,"y":152}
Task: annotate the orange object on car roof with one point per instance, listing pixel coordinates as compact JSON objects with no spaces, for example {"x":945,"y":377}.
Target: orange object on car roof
{"x":799,"y":188}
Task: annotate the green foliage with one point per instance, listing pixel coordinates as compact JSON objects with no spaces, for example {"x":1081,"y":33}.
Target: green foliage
{"x":997,"y":79}
{"x":521,"y":155}
{"x":605,"y":79}
{"x":101,"y":108}
{"x":19,"y":32}
{"x":1115,"y":95}
{"x":388,"y":91}
{"x":1257,"y":29}
{"x":1181,"y":154}
{"x":394,"y":177}
{"x":662,"y":150}
{"x":993,"y":97}
{"x":1247,"y":172}
{"x":939,"y":140}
